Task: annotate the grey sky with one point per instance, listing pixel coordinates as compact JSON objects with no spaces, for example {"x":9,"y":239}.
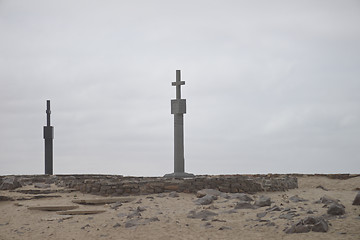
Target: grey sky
{"x":271,"y":86}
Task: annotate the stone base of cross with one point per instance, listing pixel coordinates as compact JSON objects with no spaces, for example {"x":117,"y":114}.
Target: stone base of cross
{"x":178,"y":109}
{"x":179,"y":175}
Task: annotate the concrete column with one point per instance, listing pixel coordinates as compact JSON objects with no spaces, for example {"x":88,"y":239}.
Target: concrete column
{"x":179,"y":143}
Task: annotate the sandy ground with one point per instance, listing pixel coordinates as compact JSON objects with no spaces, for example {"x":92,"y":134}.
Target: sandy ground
{"x":165,"y":217}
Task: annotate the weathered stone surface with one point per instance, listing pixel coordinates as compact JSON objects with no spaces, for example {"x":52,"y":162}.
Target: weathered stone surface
{"x":52,"y":208}
{"x":244,"y":205}
{"x":115,"y":205}
{"x":357,"y":199}
{"x":323,"y":188}
{"x":173,"y":195}
{"x":206,"y":200}
{"x":315,"y":224}
{"x":6,"y":198}
{"x":327,"y":200}
{"x":274,"y":208}
{"x":9,"y":183}
{"x":100,"y":201}
{"x":296,"y":199}
{"x":41,"y":185}
{"x":203,"y":214}
{"x":298,"y":229}
{"x":320,"y":226}
{"x":80,"y":212}
{"x":261,"y":214}
{"x":289,"y":215}
{"x":116,"y":185}
{"x":310,"y":220}
{"x":263,"y":201}
{"x":204,"y":192}
{"x":336,"y":209}
{"x":240,"y":196}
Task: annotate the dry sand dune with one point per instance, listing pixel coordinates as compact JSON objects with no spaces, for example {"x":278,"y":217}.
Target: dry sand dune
{"x":166,"y":216}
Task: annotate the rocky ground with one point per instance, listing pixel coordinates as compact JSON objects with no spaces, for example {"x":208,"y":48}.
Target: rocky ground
{"x":321,"y":208}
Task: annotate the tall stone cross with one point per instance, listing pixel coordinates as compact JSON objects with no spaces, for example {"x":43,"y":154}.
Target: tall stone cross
{"x":178,"y":108}
{"x":48,"y":136}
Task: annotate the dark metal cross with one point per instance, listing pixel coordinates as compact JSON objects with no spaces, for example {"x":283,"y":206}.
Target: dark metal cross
{"x":48,"y":112}
{"x":178,"y":84}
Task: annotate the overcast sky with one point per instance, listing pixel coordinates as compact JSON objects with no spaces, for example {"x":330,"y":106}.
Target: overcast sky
{"x":271,"y":86}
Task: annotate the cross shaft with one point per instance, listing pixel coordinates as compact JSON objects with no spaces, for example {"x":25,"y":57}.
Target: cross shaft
{"x":178,"y":84}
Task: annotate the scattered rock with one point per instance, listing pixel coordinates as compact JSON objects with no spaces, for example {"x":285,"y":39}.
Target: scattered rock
{"x":101,"y":201}
{"x":225,"y":228}
{"x":140,"y":209}
{"x":131,"y":223}
{"x":56,"y":218}
{"x":263,"y":201}
{"x":204,"y":192}
{"x":296,"y":199}
{"x":336,"y":209}
{"x":357,"y":199}
{"x":218,"y":220}
{"x":173,"y":195}
{"x":153,"y":219}
{"x":298,"y":229}
{"x":203,"y":214}
{"x":274,"y":208}
{"x":327,"y":200}
{"x":206,"y":200}
{"x":231,"y":211}
{"x":244,"y":205}
{"x":134,"y":214}
{"x":41,"y":185}
{"x":261,"y":214}
{"x":208,"y":225}
{"x":87,"y":225}
{"x":53,"y":208}
{"x":5,"y":198}
{"x":241,"y":196}
{"x":320,"y":226}
{"x":161,"y":195}
{"x":270,"y":224}
{"x":120,"y":215}
{"x":38,"y":191}
{"x":323,"y":188}
{"x":116,"y":225}
{"x":315,"y":224}
{"x":9,"y":183}
{"x":116,"y":205}
{"x":80,"y":212}
{"x":289,"y":216}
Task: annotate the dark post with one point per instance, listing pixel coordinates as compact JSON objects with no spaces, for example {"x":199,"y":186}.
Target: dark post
{"x":48,"y":136}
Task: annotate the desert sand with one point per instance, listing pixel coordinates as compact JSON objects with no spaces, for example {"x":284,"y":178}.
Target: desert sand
{"x":165,"y":216}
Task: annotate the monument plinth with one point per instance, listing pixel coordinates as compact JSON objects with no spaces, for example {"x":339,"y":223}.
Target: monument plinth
{"x":48,"y":136}
{"x":178,"y":108}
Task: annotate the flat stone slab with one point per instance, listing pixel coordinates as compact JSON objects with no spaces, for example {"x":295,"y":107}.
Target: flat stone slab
{"x":53,"y":208}
{"x":101,"y":201}
{"x":80,"y":212}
